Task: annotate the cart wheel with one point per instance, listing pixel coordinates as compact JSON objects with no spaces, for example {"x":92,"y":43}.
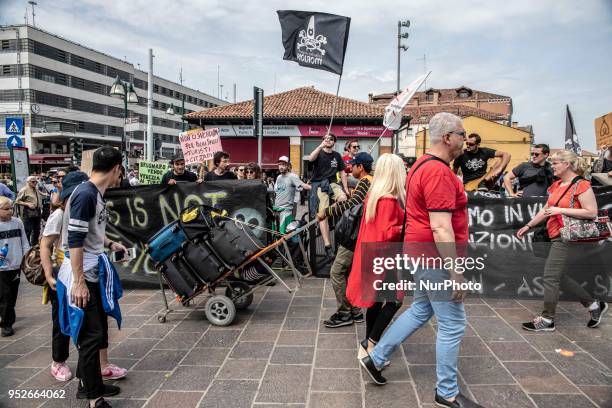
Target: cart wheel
{"x":161,"y":319}
{"x":236,"y":291}
{"x":220,"y":310}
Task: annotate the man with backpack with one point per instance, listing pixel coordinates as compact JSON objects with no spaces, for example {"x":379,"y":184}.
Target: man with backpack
{"x":346,"y":314}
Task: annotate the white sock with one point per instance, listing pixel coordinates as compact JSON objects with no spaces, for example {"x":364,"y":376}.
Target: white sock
{"x":547,"y":320}
{"x":594,"y":306}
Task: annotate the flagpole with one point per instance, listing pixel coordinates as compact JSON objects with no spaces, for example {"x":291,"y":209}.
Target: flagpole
{"x":334,"y":105}
{"x":377,"y":140}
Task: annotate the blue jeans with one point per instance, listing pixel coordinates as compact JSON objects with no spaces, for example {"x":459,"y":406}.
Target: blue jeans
{"x":451,"y":327}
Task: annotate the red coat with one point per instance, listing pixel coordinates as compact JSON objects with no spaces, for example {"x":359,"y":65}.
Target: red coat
{"x":385,"y":227}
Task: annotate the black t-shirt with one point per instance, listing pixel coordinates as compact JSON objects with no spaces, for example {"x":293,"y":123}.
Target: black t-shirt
{"x":212,"y":176}
{"x":186,"y":176}
{"x":533,"y":180}
{"x":474,"y":165}
{"x":326,"y":165}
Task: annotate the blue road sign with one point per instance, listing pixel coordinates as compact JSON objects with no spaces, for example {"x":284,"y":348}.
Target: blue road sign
{"x":14,"y":141}
{"x":13,"y":126}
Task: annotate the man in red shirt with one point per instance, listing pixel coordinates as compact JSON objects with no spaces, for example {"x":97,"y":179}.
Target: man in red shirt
{"x":437,"y":223}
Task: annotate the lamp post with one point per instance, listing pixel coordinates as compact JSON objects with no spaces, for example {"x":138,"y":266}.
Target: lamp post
{"x":172,"y":111}
{"x":124,"y":90}
{"x":400,"y":46}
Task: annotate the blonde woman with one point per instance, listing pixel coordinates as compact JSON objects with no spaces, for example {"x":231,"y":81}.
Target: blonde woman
{"x":569,"y":168}
{"x":381,"y":222}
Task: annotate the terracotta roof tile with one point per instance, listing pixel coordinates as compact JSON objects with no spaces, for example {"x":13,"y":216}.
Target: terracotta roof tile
{"x":446,"y":95}
{"x":305,"y":102}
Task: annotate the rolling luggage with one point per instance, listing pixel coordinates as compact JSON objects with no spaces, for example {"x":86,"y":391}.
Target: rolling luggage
{"x":203,"y":262}
{"x":166,"y":242}
{"x":178,"y":275}
{"x":233,"y":243}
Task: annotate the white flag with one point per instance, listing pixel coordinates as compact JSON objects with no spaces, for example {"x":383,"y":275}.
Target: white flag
{"x":393,"y":112}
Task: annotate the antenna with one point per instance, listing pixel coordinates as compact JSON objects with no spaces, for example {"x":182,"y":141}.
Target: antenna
{"x":32,"y":3}
{"x":181,"y":76}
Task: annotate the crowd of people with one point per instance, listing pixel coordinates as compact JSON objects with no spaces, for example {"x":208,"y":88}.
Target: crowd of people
{"x":421,"y":201}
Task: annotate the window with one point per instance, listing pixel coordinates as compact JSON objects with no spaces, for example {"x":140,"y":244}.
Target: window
{"x":156,"y":88}
{"x":429,"y":96}
{"x":6,"y":44}
{"x":78,"y":83}
{"x":464,"y":94}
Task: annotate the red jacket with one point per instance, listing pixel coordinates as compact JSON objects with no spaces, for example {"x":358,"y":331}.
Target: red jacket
{"x":385,"y":227}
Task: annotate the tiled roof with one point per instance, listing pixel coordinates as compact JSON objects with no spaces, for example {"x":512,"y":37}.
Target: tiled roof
{"x":305,"y":102}
{"x":446,"y":95}
{"x":422,"y":114}
{"x":585,"y":153}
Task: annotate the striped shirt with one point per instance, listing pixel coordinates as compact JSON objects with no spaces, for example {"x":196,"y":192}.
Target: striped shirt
{"x":359,"y":194}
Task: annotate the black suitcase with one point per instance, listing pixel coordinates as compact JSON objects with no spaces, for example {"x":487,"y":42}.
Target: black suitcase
{"x":178,"y":275}
{"x":233,"y":242}
{"x":203,"y":261}
{"x":199,"y":226}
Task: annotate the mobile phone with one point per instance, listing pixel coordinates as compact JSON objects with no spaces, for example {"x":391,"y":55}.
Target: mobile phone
{"x":122,"y":256}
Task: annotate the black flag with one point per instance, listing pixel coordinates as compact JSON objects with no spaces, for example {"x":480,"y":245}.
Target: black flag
{"x":315,"y":40}
{"x":571,"y":138}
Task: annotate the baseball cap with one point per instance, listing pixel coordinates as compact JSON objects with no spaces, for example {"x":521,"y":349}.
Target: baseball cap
{"x":283,"y":159}
{"x":177,"y":156}
{"x":362,"y":158}
{"x":70,"y":183}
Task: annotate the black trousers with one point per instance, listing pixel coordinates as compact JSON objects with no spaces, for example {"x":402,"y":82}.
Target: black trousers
{"x":9,"y":288}
{"x":378,"y":317}
{"x":93,"y":337}
{"x":32,"y":229}
{"x":60,"y":343}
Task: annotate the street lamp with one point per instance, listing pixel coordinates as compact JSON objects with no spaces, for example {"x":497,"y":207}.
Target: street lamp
{"x":124,"y":90}
{"x":400,"y":46}
{"x":172,"y":111}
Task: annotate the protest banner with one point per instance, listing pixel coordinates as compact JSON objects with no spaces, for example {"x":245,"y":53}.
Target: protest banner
{"x":151,"y":172}
{"x":603,"y":130}
{"x":200,"y":145}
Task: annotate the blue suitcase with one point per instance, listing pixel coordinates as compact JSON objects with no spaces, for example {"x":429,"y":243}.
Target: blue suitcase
{"x":166,"y":242}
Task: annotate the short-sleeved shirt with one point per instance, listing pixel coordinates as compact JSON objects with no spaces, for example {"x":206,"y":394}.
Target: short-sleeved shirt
{"x":555,"y":191}
{"x":285,"y":188}
{"x":212,"y":176}
{"x":327,"y":165}
{"x":433,"y":187}
{"x":533,"y":180}
{"x":54,"y":227}
{"x":474,"y":165}
{"x":186,"y":176}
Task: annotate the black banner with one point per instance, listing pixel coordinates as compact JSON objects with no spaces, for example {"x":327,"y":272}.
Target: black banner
{"x":137,"y":213}
{"x":315,"y":40}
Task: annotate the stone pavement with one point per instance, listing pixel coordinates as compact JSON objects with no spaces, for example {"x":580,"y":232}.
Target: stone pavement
{"x":278,"y":354}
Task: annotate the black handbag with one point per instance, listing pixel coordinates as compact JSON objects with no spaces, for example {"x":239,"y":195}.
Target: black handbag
{"x":347,"y":227}
{"x":540,"y":234}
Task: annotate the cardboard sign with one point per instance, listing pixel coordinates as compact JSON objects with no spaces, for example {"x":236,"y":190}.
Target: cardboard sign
{"x":200,"y":145}
{"x":603,"y":130}
{"x":151,"y":172}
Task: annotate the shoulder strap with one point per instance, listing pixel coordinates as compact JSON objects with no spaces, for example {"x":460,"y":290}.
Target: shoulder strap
{"x":411,"y":173}
{"x":574,"y":180}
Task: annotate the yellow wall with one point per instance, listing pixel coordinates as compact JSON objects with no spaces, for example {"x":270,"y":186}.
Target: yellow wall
{"x":495,"y":136}
{"x":295,"y":156}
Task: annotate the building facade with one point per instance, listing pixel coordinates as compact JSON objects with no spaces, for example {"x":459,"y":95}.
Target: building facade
{"x":61,"y":90}
{"x":294,"y":123}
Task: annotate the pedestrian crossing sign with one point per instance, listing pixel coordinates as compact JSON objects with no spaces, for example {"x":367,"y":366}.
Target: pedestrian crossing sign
{"x":13,"y":126}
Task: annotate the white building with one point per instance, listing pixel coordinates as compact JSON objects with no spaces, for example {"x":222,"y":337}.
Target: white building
{"x":61,"y":90}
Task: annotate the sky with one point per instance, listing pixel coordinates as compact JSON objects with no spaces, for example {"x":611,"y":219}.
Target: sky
{"x":543,"y":54}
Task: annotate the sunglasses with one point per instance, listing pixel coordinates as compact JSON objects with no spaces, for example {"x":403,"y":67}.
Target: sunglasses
{"x":355,"y":147}
{"x":249,"y":171}
{"x":536,"y":154}
{"x":241,"y":169}
{"x":470,"y":144}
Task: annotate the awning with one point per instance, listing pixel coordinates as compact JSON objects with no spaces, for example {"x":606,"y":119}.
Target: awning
{"x":244,"y":149}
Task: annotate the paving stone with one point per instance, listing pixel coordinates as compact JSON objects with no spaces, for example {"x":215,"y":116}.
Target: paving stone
{"x":514,"y":351}
{"x":178,"y":341}
{"x":152,"y":331}
{"x":242,"y":370}
{"x":336,"y":400}
{"x":161,"y":360}
{"x":336,"y":359}
{"x":133,"y":348}
{"x":10,"y":378}
{"x":252,"y":350}
{"x":313,"y":301}
{"x":581,"y":369}
{"x":473,"y":346}
{"x":337,"y":341}
{"x":301,"y":323}
{"x":562,"y":400}
{"x":219,"y":338}
{"x":174,"y":399}
{"x":502,"y":303}
{"x":501,"y":396}
{"x":303,"y":311}
{"x":268,"y":317}
{"x":292,"y":355}
{"x":515,"y":315}
{"x":297,"y":338}
{"x":392,"y":395}
{"x":284,"y":384}
{"x":6,"y":359}
{"x":601,"y":394}
{"x":346,"y":380}
{"x":540,"y":377}
{"x":584,"y":333}
{"x":190,"y":378}
{"x":424,"y":379}
{"x":230,"y":393}
{"x":483,"y":370}
{"x":494,"y":329}
{"x":419,"y":353}
{"x":141,"y":384}
{"x":479,"y":310}
{"x":260,"y":332}
{"x":26,"y":345}
{"x":397,"y":370}
{"x":131,"y":322}
{"x":599,"y":350}
{"x":193,"y":325}
{"x":206,"y":356}
{"x":40,"y":357}
{"x":550,"y":342}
